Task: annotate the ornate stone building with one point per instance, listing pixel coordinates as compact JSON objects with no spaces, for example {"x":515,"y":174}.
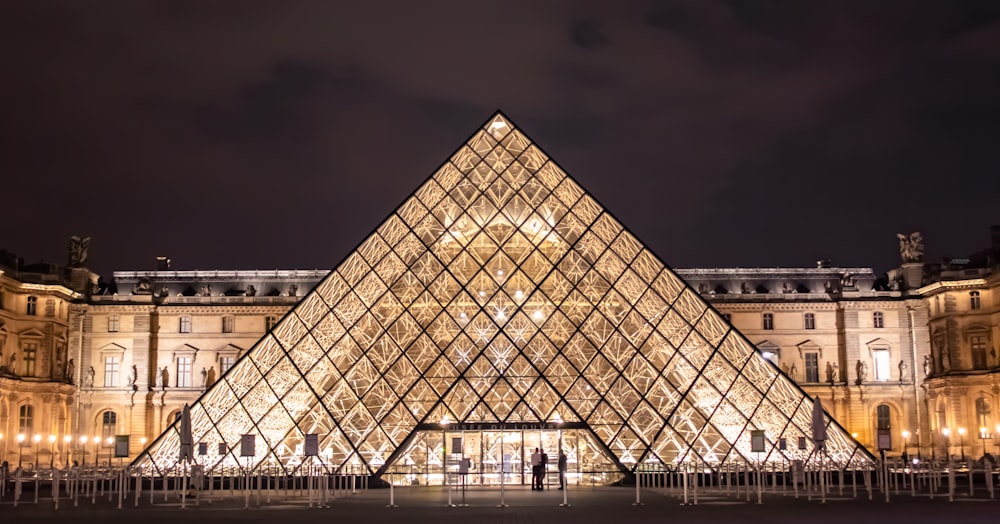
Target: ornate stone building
{"x":911,"y":355}
{"x":962,"y":300}
{"x":36,"y":365}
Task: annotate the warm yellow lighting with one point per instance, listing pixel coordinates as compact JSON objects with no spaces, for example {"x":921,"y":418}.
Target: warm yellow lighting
{"x":109,"y":441}
{"x":445,"y":421}
{"x":946,"y":431}
{"x":20,"y":437}
{"x":961,"y":431}
{"x":498,"y":125}
{"x":854,"y":435}
{"x":67,"y":439}
{"x":982,"y":432}
{"x":83,"y":439}
{"x":142,"y":441}
{"x":906,"y":434}
{"x":37,"y":438}
{"x":537,"y":314}
{"x":96,"y":439}
{"x":52,"y":438}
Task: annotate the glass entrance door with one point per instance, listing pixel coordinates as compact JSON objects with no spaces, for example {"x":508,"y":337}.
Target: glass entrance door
{"x":492,"y":453}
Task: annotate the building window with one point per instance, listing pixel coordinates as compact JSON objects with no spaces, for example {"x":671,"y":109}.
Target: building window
{"x":227,"y":324}
{"x":50,"y":307}
{"x":32,"y":308}
{"x":878,"y":319}
{"x":113,"y":323}
{"x":881,"y":359}
{"x":269,"y":323}
{"x":810,"y":321}
{"x":975,"y":302}
{"x":108,"y":425}
{"x":770,"y":353}
{"x":26,"y":420}
{"x":183,"y":372}
{"x":812,"y":366}
{"x":185,"y":326}
{"x":983,"y":412}
{"x":768,"y":321}
{"x":111,"y":367}
{"x":225,"y":363}
{"x":978,"y":346}
{"x":29,"y":359}
{"x":882,"y":418}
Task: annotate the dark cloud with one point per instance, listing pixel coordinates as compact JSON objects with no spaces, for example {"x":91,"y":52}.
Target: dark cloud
{"x":723,"y":133}
{"x":587,"y":34}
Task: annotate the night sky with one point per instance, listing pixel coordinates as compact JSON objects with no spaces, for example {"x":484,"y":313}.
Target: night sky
{"x":263,"y":134}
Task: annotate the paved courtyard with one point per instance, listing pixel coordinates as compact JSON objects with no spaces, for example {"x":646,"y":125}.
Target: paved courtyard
{"x":597,"y":505}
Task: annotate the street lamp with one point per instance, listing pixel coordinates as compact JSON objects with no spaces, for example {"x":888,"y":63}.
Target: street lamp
{"x":97,"y":451}
{"x":906,"y":435}
{"x":20,"y":449}
{"x":83,"y":448}
{"x":67,"y":440}
{"x":109,"y":443}
{"x":37,"y":438}
{"x":983,"y":436}
{"x":947,"y":441}
{"x":961,"y":441}
{"x":52,"y":451}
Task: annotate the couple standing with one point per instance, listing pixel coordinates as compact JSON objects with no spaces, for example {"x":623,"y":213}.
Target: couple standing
{"x":539,"y":461}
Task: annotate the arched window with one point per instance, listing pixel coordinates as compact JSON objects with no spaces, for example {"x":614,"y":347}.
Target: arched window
{"x":26,"y":419}
{"x":878,"y":319}
{"x":983,"y":412}
{"x":108,"y":425}
{"x":882,"y":418}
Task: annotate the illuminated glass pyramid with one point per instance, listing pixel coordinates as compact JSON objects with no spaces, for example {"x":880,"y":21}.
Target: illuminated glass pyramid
{"x":501,"y":293}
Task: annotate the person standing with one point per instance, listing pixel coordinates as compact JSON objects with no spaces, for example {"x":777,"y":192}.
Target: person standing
{"x":536,"y":470}
{"x":541,"y":470}
{"x":562,"y":470}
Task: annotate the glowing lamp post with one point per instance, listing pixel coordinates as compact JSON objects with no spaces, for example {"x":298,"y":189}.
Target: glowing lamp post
{"x":983,"y":436}
{"x":20,"y":449}
{"x":961,"y":441}
{"x":906,"y":435}
{"x":947,"y":441}
{"x":83,"y":448}
{"x":108,"y":444}
{"x":52,"y":451}
{"x":67,"y":441}
{"x":37,"y":438}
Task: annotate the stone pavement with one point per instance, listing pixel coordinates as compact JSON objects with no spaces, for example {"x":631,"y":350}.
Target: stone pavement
{"x":588,"y":505}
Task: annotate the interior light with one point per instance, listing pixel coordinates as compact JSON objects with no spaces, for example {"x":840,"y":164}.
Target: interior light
{"x":537,"y":314}
{"x":518,"y":294}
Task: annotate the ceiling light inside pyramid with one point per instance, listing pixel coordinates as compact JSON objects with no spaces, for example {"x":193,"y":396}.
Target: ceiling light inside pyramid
{"x":501,"y":308}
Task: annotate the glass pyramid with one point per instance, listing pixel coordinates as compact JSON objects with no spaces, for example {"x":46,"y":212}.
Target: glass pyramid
{"x":501,"y":293}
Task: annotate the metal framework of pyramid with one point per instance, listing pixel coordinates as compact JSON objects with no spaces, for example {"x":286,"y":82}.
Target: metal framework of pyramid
{"x":501,"y":292}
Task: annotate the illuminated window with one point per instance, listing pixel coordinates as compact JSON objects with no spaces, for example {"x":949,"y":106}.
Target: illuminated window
{"x":977,"y":344}
{"x":183,"y":372}
{"x":113,"y":323}
{"x":983,"y":412}
{"x":225,"y":363}
{"x":108,"y":425}
{"x":112,"y":365}
{"x":768,"y":321}
{"x":812,"y":366}
{"x":880,"y":357}
{"x":185,"y":325}
{"x":878,"y":319}
{"x":975,"y":302}
{"x":29,"y":359}
{"x":810,"y":321}
{"x":228,"y":323}
{"x":32,"y":308}
{"x":25,"y":419}
{"x":883,"y":419}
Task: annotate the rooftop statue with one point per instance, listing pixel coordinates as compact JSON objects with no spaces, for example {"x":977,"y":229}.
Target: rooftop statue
{"x":911,"y":247}
{"x":78,"y":250}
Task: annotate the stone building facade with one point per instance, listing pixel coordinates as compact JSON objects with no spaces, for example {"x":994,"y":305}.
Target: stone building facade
{"x":911,"y":356}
